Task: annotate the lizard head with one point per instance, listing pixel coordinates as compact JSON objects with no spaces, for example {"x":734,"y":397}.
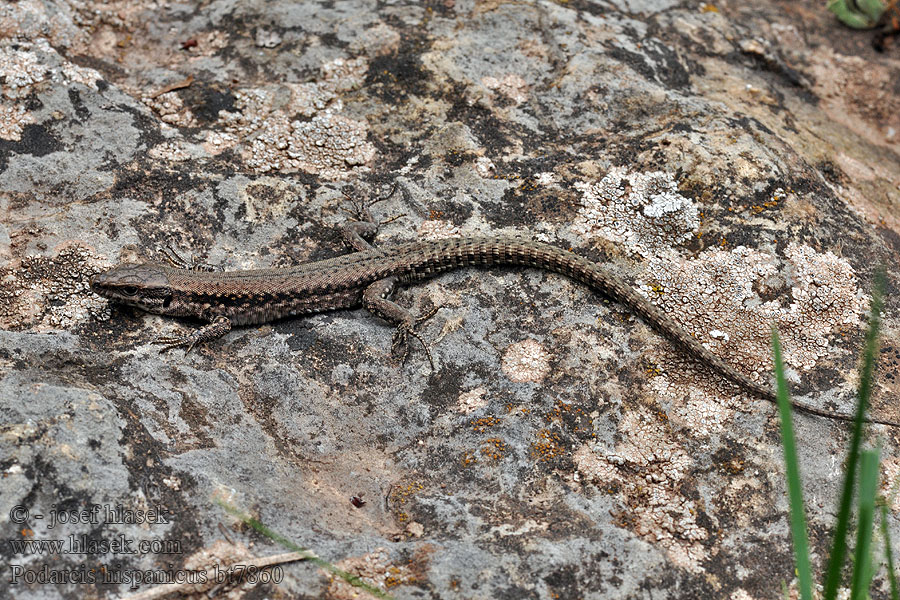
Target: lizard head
{"x":144,"y":285}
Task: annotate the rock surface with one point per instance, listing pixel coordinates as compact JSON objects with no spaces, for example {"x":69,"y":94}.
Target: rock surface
{"x":739,"y":164}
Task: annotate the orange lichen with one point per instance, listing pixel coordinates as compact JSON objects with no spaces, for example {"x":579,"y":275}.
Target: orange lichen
{"x":548,"y":446}
{"x":484,"y":423}
{"x":494,"y":448}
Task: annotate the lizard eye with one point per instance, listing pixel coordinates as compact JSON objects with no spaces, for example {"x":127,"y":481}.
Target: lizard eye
{"x":129,"y":290}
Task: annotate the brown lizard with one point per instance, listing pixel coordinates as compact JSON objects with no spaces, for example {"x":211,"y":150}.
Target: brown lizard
{"x":368,"y":277}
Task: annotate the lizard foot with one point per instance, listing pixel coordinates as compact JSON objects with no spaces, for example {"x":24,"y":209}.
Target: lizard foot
{"x":176,"y":260}
{"x":170,"y":342}
{"x":361,"y":209}
{"x":218,"y":327}
{"x":400,"y":341}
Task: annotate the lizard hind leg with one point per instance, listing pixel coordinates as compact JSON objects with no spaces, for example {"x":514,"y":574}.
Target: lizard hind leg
{"x":375,"y":300}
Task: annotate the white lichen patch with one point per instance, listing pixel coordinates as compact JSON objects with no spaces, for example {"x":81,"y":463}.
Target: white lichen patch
{"x":472,"y":400}
{"x":71,"y":24}
{"x":290,"y":127}
{"x":29,"y":19}
{"x":266,"y":38}
{"x":511,"y":85}
{"x":84,"y":75}
{"x":342,"y":75}
{"x":437,"y":230}
{"x":219,"y":141}
{"x":642,"y":211}
{"x":701,"y":401}
{"x":22,"y":68}
{"x":171,"y":109}
{"x":546,"y":178}
{"x":484,"y":166}
{"x":716,"y":298}
{"x":52,"y":293}
{"x":328,"y":145}
{"x":526,"y":361}
{"x":13,"y":119}
{"x":374,"y":568}
{"x":307,"y":99}
{"x":27,"y":64}
{"x":174,"y":150}
{"x":647,"y":470}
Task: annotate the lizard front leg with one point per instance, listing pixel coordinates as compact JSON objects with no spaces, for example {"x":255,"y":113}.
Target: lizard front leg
{"x":360,"y":233}
{"x":216,"y":328}
{"x":375,"y":300}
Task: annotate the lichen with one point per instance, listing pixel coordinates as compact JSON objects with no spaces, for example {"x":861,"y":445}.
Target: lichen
{"x":727,"y":300}
{"x":23,"y":68}
{"x":642,"y":211}
{"x":329,"y":145}
{"x":71,"y":24}
{"x":13,"y":119}
{"x":484,"y":166}
{"x":374,"y":568}
{"x":717,"y":299}
{"x":526,"y":361}
{"x":174,"y":151}
{"x":472,"y":400}
{"x":30,"y":19}
{"x":437,"y":229}
{"x":511,"y":85}
{"x":342,"y":75}
{"x":27,"y":64}
{"x":546,"y":178}
{"x":49,"y":293}
{"x":171,"y":109}
{"x":290,"y":127}
{"x":266,"y":38}
{"x":20,"y":69}
{"x":646,"y":471}
{"x":73,"y":73}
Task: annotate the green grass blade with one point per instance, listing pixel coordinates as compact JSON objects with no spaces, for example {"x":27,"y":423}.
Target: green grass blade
{"x":277,"y":537}
{"x":795,"y":489}
{"x":839,"y":545}
{"x":888,"y":553}
{"x":868,"y":487}
{"x":870,"y":355}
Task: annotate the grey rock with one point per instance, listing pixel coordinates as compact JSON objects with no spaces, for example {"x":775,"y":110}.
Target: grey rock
{"x":561,"y":449}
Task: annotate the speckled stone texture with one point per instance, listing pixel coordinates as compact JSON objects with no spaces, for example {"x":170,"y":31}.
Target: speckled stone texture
{"x":738,"y":163}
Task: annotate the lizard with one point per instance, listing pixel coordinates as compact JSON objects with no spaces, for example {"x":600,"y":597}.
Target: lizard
{"x":368,"y":277}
